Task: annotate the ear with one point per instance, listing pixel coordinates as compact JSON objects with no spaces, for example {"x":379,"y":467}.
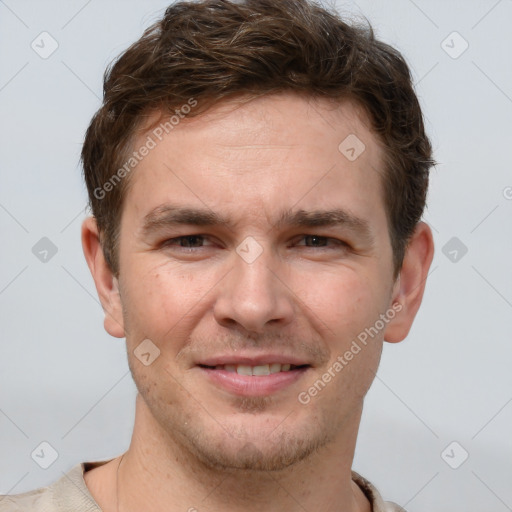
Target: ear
{"x":107,"y":285}
{"x":410,"y":284}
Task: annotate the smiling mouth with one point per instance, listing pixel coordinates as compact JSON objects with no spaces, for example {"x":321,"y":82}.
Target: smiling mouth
{"x":259,"y":370}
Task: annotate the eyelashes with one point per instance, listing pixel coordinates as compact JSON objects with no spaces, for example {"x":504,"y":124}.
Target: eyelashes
{"x":191,"y":242}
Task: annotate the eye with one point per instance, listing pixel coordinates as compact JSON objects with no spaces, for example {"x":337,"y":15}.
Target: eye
{"x":185,"y":242}
{"x":316,"y":241}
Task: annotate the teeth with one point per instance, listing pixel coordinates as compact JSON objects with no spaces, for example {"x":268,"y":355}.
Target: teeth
{"x":262,"y":369}
{"x":242,"y":369}
{"x":275,"y":368}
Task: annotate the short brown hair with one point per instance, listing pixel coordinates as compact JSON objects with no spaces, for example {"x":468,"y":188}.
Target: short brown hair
{"x":214,"y":49}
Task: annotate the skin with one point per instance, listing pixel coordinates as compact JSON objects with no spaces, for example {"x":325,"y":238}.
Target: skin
{"x":195,"y":444}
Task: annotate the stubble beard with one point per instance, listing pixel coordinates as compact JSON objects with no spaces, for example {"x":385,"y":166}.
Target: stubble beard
{"x":234,"y":449}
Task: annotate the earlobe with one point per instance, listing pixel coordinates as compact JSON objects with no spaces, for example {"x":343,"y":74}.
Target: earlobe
{"x":410,"y":285}
{"x":107,"y":285}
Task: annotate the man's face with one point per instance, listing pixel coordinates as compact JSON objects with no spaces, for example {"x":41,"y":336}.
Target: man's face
{"x":274,"y":283}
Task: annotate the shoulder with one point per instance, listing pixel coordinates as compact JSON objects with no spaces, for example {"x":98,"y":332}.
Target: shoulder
{"x":374,"y":497}
{"x":67,"y":493}
{"x":37,"y":500}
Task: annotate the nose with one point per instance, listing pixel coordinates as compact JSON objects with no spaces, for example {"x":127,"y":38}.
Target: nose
{"x":254,"y":295}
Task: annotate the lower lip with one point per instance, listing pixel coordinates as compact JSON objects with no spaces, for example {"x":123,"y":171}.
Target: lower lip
{"x":256,"y":385}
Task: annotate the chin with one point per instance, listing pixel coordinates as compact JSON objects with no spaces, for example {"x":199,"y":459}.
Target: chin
{"x":257,"y":455}
{"x":257,"y":441}
{"x":242,"y":433}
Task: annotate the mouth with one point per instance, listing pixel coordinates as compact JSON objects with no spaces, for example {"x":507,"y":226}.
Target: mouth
{"x":257,"y":370}
{"x":262,"y":379}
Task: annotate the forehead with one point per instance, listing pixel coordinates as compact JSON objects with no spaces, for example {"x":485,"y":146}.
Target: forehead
{"x":283,"y":148}
{"x":255,"y":119}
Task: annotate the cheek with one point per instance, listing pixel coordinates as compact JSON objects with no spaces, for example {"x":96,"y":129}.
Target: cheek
{"x":348,"y":306}
{"x":344,"y":305}
{"x":160,"y":304}
{"x":344,"y":300}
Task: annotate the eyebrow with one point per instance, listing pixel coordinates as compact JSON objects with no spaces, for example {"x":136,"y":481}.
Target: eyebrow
{"x":167,"y":215}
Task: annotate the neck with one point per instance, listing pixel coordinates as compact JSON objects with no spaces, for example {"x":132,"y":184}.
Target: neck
{"x":159,"y":474}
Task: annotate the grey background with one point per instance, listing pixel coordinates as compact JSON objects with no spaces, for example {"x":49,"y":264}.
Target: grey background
{"x":63,"y":380}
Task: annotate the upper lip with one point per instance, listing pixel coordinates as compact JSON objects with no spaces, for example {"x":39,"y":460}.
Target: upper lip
{"x":252,"y":360}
